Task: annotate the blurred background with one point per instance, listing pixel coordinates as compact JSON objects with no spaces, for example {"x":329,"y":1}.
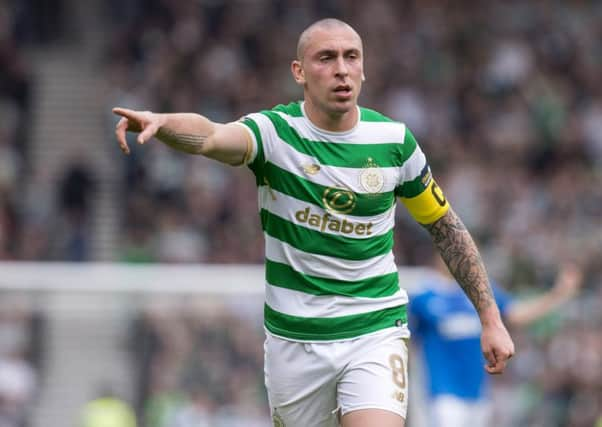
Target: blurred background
{"x":504,"y":97}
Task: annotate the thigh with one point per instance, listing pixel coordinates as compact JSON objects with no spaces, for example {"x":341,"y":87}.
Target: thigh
{"x":376,"y":378}
{"x":301,"y":384}
{"x":372,"y":418}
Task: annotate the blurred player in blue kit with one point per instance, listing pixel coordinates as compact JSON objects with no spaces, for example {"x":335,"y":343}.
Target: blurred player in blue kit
{"x":446,"y":331}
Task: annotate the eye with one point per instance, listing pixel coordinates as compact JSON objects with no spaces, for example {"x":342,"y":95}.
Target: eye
{"x":325,"y":58}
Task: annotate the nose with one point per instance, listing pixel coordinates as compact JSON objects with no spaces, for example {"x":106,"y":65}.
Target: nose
{"x":341,"y":67}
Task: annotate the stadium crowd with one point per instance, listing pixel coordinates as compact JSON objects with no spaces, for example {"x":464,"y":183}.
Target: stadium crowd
{"x":33,"y":226}
{"x":20,"y":325}
{"x":503,"y":96}
{"x":202,"y":365}
{"x":508,"y":111}
{"x":15,"y":86}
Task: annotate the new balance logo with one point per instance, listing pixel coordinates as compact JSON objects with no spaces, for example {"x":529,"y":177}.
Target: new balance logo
{"x":326,"y":221}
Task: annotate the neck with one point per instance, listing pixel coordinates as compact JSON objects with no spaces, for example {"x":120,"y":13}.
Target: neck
{"x":333,"y":121}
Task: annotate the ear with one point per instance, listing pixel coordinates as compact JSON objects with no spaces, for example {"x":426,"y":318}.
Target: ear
{"x":297,"y":70}
{"x":363,"y":77}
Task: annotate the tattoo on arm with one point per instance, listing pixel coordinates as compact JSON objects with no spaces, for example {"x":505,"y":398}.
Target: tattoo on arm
{"x":461,"y":255}
{"x":189,"y":143}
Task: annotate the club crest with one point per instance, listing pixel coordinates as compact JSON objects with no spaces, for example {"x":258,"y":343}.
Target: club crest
{"x":311,"y":169}
{"x":371,"y":177}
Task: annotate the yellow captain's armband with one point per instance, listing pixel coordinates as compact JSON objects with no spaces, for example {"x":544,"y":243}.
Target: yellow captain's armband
{"x":428,"y":206}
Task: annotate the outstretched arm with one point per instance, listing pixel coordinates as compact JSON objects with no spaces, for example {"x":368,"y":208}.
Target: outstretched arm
{"x":462,"y":258}
{"x":191,"y":133}
{"x":567,"y":284}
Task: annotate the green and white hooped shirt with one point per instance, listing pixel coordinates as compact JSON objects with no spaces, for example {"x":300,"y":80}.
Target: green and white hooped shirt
{"x":327,"y":209}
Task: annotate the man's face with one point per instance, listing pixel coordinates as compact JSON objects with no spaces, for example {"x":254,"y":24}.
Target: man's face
{"x":331,"y":69}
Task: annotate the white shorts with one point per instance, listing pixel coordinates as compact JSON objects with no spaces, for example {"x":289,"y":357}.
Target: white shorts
{"x":451,"y":411}
{"x":312,"y":384}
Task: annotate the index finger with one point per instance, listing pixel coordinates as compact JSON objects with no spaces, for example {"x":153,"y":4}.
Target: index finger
{"x":124,"y":112}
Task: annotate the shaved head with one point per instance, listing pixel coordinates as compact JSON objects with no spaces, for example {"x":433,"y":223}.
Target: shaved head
{"x":330,"y":67}
{"x":321,"y":25}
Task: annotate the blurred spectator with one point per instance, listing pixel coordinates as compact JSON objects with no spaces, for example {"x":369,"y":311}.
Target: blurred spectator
{"x":38,"y":21}
{"x":197,"y":411}
{"x":15,"y":87}
{"x":8,"y":228}
{"x":19,"y":361}
{"x":76,"y":189}
{"x":107,"y":410}
{"x":17,"y":387}
{"x":10,"y":160}
{"x":75,"y":192}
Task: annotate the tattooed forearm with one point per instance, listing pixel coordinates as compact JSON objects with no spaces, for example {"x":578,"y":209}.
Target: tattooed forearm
{"x":183,"y":142}
{"x":460,"y":253}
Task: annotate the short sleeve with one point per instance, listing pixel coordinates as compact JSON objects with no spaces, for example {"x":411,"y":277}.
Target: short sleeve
{"x":256,"y":157}
{"x":417,"y":190}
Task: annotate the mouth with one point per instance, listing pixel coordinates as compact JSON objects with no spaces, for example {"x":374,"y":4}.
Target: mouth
{"x":344,"y":91}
